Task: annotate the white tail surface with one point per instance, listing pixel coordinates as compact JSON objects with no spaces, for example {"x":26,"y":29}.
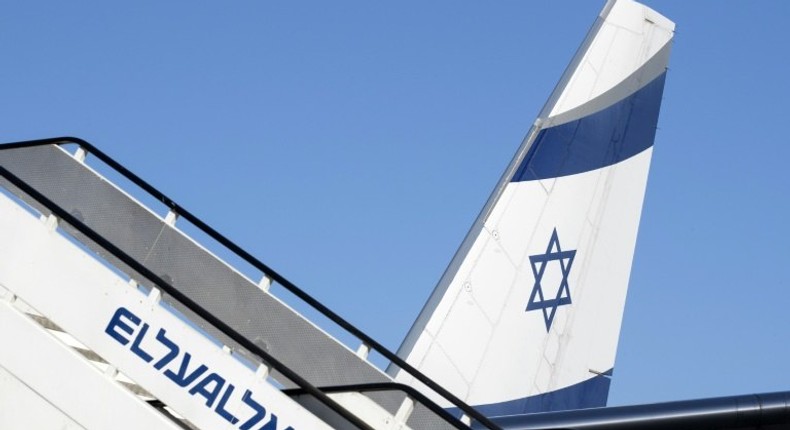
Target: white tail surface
{"x":527,"y":316}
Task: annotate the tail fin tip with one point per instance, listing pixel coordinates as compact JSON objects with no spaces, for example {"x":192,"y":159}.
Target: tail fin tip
{"x":533,"y":299}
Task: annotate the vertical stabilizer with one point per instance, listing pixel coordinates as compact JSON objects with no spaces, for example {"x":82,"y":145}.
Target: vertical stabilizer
{"x":527,"y":316}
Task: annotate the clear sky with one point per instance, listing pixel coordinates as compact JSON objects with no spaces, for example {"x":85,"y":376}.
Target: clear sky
{"x":350,"y":146}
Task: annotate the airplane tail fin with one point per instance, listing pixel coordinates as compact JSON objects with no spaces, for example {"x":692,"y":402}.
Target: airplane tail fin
{"x":527,"y":316}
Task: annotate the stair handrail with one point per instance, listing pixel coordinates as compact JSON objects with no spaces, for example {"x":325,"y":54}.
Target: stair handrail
{"x":250,"y":259}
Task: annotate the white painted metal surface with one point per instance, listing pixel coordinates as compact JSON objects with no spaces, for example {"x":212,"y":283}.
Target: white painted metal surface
{"x":475,"y":335}
{"x":630,"y":35}
{"x":47,"y":385}
{"x":133,"y":332}
{"x":487,"y":305}
{"x":24,"y":408}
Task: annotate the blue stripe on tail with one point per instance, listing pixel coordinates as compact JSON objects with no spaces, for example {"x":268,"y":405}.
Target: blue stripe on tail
{"x":591,"y":393}
{"x":606,"y":137}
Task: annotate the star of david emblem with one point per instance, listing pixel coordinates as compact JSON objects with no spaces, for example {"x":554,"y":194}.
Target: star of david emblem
{"x":538,"y":300}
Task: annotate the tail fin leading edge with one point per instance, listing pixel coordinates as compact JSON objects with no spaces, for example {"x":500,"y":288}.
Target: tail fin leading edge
{"x":527,"y":316}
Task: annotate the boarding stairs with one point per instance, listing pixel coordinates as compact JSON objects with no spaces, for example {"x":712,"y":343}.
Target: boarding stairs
{"x":119,"y":309}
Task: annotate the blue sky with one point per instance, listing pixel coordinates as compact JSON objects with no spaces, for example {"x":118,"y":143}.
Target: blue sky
{"x":350,"y":146}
